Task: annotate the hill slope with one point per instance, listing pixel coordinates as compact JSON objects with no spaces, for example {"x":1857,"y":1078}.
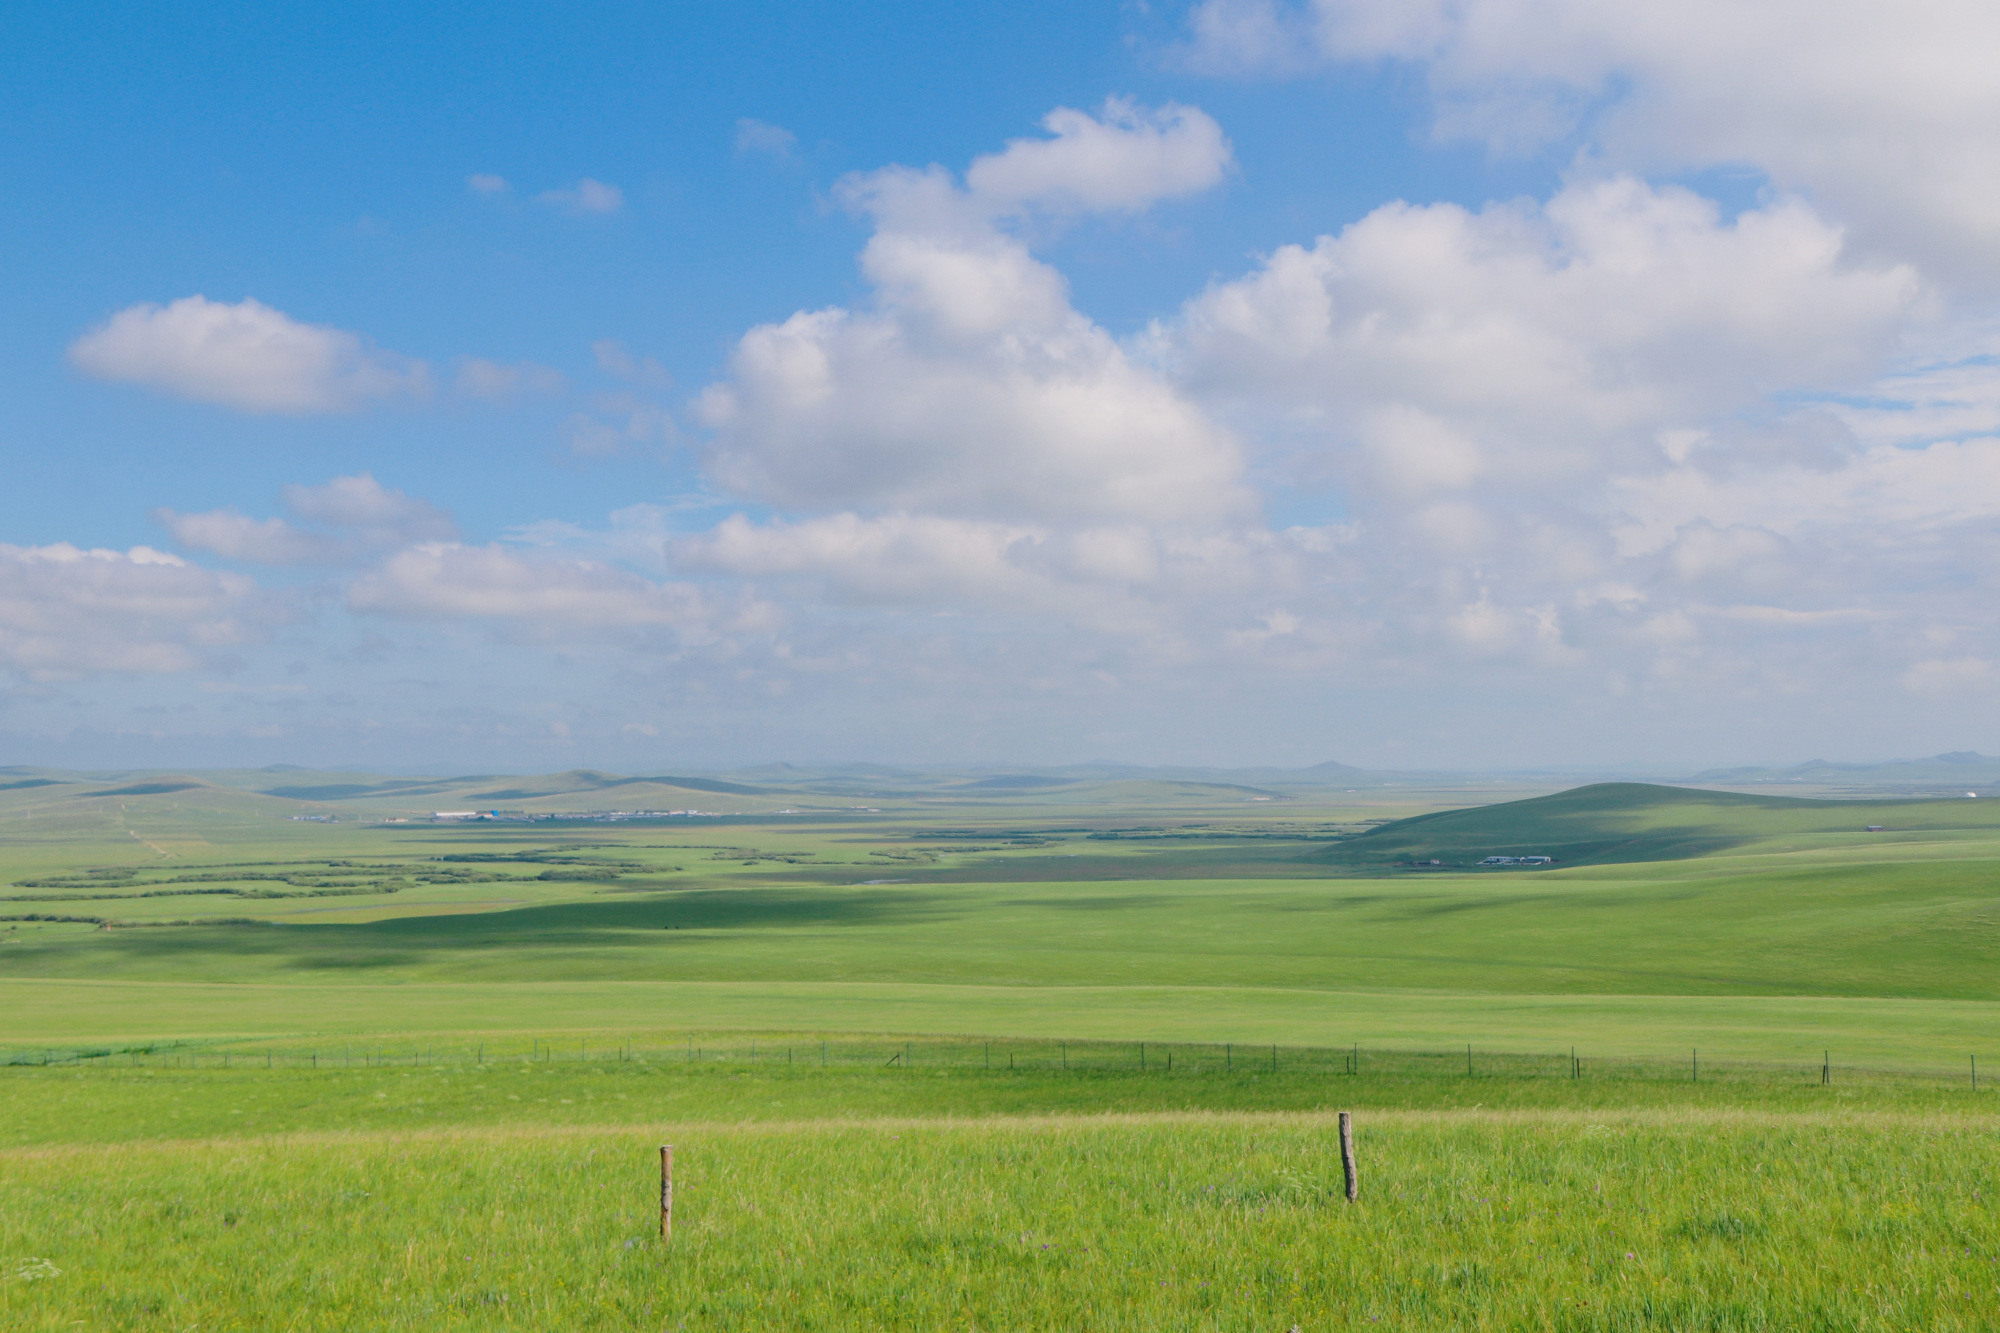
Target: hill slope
{"x":1611,"y":822}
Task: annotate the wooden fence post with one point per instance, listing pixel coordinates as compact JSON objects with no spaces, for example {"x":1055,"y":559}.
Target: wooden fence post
{"x":1347,"y":1156}
{"x":666,"y":1191}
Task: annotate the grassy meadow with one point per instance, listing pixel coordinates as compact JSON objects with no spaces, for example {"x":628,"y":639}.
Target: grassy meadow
{"x":992,"y":1058}
{"x":1635,"y":1218}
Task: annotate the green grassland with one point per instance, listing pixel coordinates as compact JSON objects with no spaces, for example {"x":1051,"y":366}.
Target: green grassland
{"x":386,"y":1072}
{"x":1028,"y":921}
{"x":800,"y":1204}
{"x":1614,"y":822}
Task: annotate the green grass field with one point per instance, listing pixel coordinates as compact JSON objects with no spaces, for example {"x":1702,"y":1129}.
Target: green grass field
{"x":517,"y":1194}
{"x":302,"y":1073}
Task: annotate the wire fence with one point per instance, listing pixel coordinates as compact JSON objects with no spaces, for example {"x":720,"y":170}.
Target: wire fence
{"x":1000,"y":1057}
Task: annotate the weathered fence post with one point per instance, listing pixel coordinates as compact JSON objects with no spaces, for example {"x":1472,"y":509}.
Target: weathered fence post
{"x":1826,"y":1069}
{"x":1694,"y":1066}
{"x":1347,"y":1156}
{"x":666,"y":1191}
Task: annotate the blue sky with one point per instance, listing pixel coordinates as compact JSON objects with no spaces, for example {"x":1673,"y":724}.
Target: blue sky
{"x":1471,"y":384}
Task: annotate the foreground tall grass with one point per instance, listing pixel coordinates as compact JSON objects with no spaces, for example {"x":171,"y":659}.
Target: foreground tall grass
{"x":1662,"y":1218}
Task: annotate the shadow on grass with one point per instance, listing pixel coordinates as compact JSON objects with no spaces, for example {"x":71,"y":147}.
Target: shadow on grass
{"x":411,"y":941}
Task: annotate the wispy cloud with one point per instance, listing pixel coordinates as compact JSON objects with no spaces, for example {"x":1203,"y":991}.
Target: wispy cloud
{"x":757,"y":136}
{"x":587,"y":196}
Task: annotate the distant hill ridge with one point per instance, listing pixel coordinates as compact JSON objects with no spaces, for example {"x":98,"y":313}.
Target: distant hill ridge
{"x":1967,"y":766}
{"x":1615,"y":822}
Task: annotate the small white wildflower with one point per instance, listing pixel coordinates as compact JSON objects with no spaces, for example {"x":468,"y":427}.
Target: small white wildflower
{"x":34,"y":1270}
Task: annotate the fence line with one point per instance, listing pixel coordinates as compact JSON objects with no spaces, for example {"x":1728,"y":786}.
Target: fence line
{"x":1001,"y":1058}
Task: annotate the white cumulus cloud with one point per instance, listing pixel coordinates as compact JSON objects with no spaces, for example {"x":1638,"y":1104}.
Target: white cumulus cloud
{"x":1880,"y":113}
{"x":1450,"y":348}
{"x":246,"y":356}
{"x":1127,"y":157}
{"x":67,"y":612}
{"x":971,"y":387}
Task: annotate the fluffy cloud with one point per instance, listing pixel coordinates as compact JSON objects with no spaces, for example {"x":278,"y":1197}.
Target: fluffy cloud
{"x":1616,"y":445}
{"x":971,"y":387}
{"x":1878,"y":112}
{"x":544,"y":595}
{"x":1125,"y":158}
{"x":347,"y":518}
{"x":1502,"y":400}
{"x":246,"y":356}
{"x":1520,"y":343}
{"x":67,"y":612}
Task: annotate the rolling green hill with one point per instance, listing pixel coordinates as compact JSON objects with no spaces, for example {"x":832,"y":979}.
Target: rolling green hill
{"x":1616,"y":822}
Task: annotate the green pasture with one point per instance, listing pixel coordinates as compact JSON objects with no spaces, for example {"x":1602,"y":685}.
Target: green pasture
{"x":996,"y":1063}
{"x":200,"y":1090}
{"x":1885,"y":1033}
{"x":1235,"y":926}
{"x":1777,"y":926}
{"x":1478,"y":1219}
